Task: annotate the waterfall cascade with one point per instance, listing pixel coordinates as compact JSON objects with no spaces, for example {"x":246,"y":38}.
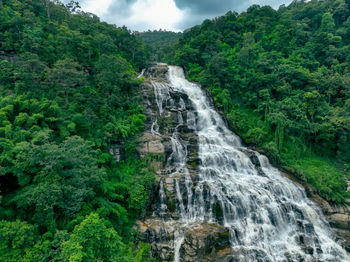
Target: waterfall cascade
{"x":267,"y":216}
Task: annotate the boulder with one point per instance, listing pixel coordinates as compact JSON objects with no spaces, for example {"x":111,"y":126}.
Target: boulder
{"x":205,"y":243}
{"x":160,"y":235}
{"x":340,"y":221}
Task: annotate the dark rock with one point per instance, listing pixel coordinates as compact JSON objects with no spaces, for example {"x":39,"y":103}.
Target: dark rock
{"x":344,"y":237}
{"x":160,"y":235}
{"x":254,"y":159}
{"x":184,"y":129}
{"x":117,"y":151}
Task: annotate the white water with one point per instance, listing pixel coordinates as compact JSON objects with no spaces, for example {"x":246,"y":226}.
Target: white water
{"x":178,"y":239}
{"x":142,"y":73}
{"x":269,"y":217}
{"x":161,"y":91}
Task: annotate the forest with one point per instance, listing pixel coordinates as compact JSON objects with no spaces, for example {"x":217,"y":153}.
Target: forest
{"x":68,"y":92}
{"x":159,"y":41}
{"x":282,"y":79}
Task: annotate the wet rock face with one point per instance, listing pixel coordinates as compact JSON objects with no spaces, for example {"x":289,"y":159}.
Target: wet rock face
{"x":254,"y":159}
{"x":338,"y":216}
{"x":206,"y":241}
{"x":161,"y":127}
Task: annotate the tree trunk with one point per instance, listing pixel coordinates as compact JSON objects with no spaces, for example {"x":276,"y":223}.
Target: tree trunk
{"x":133,"y":54}
{"x":66,"y":98}
{"x":47,"y":5}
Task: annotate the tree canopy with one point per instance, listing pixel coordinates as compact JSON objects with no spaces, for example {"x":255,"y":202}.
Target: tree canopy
{"x":159,"y":42}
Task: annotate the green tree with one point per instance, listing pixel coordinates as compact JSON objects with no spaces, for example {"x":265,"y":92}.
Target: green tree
{"x":327,"y":23}
{"x":16,"y":239}
{"x":93,"y":240}
{"x":29,"y":73}
{"x":114,"y":74}
{"x":64,"y":76}
{"x":55,"y":179}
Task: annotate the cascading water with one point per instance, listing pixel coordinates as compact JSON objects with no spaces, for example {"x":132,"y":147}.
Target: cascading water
{"x":142,"y":73}
{"x":268,"y":216}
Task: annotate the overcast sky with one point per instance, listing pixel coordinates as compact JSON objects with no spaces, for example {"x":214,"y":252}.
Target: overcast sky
{"x":174,"y":15}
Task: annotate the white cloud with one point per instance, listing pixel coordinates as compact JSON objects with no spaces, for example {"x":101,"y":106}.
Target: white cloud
{"x":150,"y":14}
{"x":100,"y":7}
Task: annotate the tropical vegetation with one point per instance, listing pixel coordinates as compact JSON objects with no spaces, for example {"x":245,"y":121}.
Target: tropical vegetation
{"x":68,"y":96}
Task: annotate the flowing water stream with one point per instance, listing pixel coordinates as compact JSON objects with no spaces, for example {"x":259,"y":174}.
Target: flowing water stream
{"x":269,"y":217}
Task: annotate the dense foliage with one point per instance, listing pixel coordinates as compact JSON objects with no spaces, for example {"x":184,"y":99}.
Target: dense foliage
{"x":159,"y":41}
{"x":68,"y":95}
{"x":282,"y":78}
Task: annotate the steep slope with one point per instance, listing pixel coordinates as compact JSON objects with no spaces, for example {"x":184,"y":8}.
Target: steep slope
{"x":69,"y":98}
{"x":218,"y":200}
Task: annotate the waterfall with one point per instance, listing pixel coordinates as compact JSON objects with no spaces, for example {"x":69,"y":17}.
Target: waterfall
{"x":142,"y":73}
{"x":269,"y":217}
{"x":178,"y":238}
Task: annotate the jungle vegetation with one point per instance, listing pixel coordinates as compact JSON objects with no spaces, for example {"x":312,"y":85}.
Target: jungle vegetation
{"x":68,"y":95}
{"x":158,"y":41}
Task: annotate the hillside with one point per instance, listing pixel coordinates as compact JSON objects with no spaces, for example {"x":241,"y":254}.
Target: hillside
{"x":68,"y":97}
{"x":282,"y":80}
{"x":159,"y":41}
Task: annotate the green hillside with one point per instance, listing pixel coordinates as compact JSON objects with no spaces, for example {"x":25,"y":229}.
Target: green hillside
{"x":282,"y":78}
{"x":68,"y":92}
{"x":159,"y":42}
